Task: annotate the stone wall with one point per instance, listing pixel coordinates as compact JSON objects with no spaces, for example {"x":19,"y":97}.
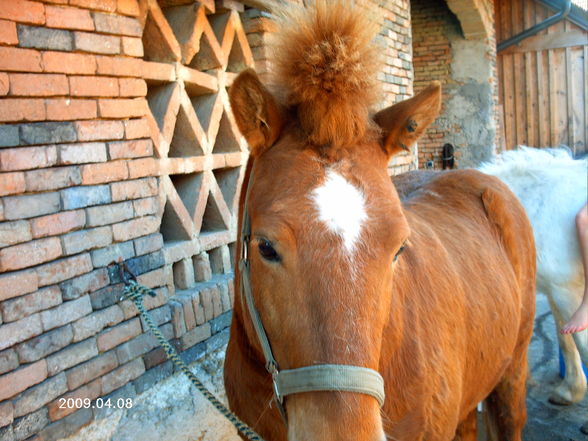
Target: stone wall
{"x":447,"y":48}
{"x":117,"y":142}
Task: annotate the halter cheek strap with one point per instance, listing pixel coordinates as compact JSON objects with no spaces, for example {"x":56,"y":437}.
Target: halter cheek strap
{"x":322,"y":377}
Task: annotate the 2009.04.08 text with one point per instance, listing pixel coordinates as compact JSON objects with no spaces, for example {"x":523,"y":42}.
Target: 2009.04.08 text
{"x":99,"y":403}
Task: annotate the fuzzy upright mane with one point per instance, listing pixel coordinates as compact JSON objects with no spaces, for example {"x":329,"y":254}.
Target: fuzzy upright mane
{"x":327,"y":65}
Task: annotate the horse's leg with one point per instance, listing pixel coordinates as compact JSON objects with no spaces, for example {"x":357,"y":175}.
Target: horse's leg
{"x":573,"y":386}
{"x":506,"y":404}
{"x":467,"y":429}
{"x":581,"y":340}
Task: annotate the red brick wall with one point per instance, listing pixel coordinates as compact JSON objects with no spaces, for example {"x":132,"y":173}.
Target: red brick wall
{"x":397,"y":76}
{"x":432,"y":60}
{"x":74,"y":126}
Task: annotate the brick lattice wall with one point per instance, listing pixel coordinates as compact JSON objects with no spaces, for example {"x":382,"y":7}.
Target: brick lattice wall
{"x":117,"y":141}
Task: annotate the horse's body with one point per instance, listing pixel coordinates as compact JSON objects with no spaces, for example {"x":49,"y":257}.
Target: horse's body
{"x":468,"y":304}
{"x":447,"y":323}
{"x":552,"y":187}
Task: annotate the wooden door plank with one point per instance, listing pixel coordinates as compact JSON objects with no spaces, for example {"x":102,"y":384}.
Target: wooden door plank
{"x":569,"y":93}
{"x":508,"y":100}
{"x":584,"y":105}
{"x":530,"y":81}
{"x":519,"y":99}
{"x":507,"y":20}
{"x":544,"y":109}
{"x":577,"y":105}
{"x":561,"y":92}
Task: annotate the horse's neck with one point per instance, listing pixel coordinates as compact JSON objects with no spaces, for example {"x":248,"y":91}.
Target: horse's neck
{"x":247,"y":383}
{"x":243,"y":341}
{"x":240,"y":338}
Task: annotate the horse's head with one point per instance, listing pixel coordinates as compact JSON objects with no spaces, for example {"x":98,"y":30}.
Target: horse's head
{"x":326,"y":221}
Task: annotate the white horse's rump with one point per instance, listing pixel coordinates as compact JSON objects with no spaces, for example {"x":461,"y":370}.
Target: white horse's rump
{"x":552,"y":187}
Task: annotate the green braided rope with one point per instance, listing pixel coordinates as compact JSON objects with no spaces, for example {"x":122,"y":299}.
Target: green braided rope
{"x":135,"y":292}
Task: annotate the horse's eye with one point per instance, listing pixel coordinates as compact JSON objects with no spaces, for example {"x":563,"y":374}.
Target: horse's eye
{"x":267,"y":251}
{"x":400,"y":250}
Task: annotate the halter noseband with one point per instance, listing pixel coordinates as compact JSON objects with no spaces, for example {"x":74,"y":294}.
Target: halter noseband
{"x":322,"y":377}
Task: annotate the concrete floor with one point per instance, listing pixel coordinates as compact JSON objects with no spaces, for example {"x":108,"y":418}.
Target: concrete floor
{"x":548,"y":422}
{"x":172,"y":410}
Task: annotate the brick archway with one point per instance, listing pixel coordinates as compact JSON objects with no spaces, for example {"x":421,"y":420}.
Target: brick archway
{"x":475,"y":17}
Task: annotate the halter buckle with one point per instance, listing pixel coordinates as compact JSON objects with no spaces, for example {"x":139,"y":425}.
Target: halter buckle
{"x":272,"y":368}
{"x":245,"y":248}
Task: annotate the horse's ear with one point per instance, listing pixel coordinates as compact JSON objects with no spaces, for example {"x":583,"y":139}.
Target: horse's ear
{"x":404,"y":123}
{"x":256,"y":112}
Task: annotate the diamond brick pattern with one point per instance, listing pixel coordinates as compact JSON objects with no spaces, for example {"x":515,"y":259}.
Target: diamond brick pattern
{"x":194,"y":52}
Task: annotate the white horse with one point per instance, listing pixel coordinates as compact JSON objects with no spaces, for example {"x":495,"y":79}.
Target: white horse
{"x":552,"y":186}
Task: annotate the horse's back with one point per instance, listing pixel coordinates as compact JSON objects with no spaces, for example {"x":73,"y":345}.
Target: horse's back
{"x":455,"y":195}
{"x":407,"y":184}
{"x":477,"y":206}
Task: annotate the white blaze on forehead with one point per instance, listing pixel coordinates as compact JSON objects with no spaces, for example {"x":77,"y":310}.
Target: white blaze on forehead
{"x":341,"y":206}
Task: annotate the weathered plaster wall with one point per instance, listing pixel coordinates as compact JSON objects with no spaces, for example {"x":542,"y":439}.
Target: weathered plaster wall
{"x":471,"y":106}
{"x":466,"y":69}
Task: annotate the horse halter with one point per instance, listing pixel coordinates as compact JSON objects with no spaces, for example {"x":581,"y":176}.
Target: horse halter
{"x":322,"y":377}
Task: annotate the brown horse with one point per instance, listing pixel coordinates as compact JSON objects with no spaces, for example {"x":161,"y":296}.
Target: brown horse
{"x":446,"y":323}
